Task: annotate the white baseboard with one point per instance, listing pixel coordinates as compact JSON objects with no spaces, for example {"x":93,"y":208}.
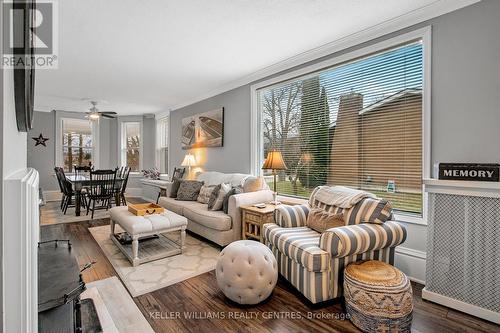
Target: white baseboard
{"x":461,"y":306}
{"x":411,"y":262}
{"x":134,"y":192}
{"x":52,"y":195}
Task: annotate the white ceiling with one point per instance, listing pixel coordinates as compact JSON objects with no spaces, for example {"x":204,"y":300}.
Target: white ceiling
{"x":145,"y":56}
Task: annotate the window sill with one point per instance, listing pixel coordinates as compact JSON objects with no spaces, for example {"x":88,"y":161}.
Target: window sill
{"x":410,"y":218}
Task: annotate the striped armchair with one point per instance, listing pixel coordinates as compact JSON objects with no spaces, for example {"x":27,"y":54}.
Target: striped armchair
{"x":314,"y":262}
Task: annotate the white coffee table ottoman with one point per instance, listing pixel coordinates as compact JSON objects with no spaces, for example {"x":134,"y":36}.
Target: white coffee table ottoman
{"x":144,"y":226}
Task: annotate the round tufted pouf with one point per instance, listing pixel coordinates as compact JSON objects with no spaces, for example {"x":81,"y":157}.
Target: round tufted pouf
{"x":246,"y":272}
{"x":378,"y":297}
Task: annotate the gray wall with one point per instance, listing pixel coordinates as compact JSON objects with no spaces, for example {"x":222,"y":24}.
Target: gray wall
{"x":235,"y":155}
{"x":43,"y":158}
{"x":465,"y":100}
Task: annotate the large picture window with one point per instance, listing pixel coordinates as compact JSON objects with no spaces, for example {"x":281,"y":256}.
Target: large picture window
{"x":76,"y":143}
{"x":357,"y":124}
{"x":131,"y":145}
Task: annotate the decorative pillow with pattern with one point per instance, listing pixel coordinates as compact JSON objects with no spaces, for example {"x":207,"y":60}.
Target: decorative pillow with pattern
{"x":369,"y":210}
{"x":216,"y":204}
{"x":320,"y":220}
{"x":189,"y":190}
{"x":205,"y":193}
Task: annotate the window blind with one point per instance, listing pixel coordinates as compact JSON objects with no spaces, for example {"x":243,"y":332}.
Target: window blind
{"x":357,"y":124}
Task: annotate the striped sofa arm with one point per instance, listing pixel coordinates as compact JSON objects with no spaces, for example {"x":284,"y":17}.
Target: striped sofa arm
{"x":360,"y":238}
{"x":291,"y":216}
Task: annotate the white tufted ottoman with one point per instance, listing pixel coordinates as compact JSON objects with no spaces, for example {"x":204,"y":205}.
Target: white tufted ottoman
{"x":246,"y":272}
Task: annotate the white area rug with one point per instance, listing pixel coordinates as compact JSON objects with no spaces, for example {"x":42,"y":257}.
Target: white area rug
{"x":116,"y":309}
{"x":199,"y":257}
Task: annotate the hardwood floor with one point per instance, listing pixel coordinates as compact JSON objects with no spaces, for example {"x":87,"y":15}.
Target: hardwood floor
{"x":169,"y":309}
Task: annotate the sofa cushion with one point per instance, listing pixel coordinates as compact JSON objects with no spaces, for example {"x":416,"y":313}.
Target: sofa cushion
{"x":176,"y":206}
{"x":300,"y":244}
{"x":211,"y":219}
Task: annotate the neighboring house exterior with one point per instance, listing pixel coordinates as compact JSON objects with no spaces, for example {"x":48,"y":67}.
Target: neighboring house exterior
{"x":388,"y":148}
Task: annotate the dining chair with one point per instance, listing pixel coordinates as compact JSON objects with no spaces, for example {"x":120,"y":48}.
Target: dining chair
{"x":60,"y":176}
{"x":82,"y":169}
{"x":101,"y":189}
{"x":68,"y":193}
{"x":123,"y":186}
{"x":177,"y":174}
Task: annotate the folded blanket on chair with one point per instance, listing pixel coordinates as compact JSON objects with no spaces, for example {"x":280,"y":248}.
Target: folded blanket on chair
{"x":341,"y":196}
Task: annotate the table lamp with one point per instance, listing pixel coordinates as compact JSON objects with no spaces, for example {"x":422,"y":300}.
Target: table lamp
{"x":189,"y":161}
{"x":274,"y":162}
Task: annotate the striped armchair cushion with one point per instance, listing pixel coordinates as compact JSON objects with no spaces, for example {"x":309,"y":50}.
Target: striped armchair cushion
{"x":300,"y":244}
{"x":356,"y":239}
{"x":368,"y":210}
{"x":291,"y":216}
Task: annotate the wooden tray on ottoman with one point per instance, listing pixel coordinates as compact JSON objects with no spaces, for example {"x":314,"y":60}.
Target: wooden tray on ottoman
{"x":145,"y":209}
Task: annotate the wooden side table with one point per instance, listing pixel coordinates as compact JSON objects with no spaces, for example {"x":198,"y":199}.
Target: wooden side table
{"x":252,"y":220}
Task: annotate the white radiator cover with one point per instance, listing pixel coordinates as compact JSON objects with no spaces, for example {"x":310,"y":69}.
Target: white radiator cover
{"x":463,"y":247}
{"x":20,"y":248}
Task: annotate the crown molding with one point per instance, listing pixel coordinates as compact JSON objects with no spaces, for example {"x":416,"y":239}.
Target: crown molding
{"x":417,"y":16}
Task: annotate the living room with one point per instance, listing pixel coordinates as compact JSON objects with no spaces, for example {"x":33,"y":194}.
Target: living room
{"x":323,"y":166}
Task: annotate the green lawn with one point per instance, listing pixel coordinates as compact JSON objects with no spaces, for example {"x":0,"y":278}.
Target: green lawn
{"x":404,"y":201}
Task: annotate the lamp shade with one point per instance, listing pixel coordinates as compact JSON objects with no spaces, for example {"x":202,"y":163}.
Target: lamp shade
{"x":274,"y":161}
{"x":188,"y":161}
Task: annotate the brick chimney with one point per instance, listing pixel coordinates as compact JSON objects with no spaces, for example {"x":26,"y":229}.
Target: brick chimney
{"x":344,"y":163}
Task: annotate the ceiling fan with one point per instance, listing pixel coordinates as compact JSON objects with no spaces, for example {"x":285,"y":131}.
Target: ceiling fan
{"x":95,"y":114}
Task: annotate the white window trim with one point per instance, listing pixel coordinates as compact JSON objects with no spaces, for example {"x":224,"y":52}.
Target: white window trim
{"x":161,"y":117}
{"x":425,"y":34}
{"x":60,"y":116}
{"x":131,"y":119}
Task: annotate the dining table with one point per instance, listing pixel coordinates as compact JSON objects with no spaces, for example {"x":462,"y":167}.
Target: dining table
{"x":80,"y":181}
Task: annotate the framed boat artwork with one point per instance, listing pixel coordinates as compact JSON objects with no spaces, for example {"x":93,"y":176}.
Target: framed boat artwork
{"x":203,"y":130}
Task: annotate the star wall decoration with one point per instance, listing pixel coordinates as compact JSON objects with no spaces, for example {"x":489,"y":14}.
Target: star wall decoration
{"x":40,"y":140}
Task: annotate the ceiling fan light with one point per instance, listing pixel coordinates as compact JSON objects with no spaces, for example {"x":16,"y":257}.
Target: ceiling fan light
{"x":94,"y":116}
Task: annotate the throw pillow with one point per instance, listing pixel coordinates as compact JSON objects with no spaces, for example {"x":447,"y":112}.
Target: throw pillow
{"x":175,"y":187}
{"x":369,"y":210}
{"x":224,"y":189}
{"x":225,"y":202}
{"x":320,"y":220}
{"x":189,"y":190}
{"x":253,"y":184}
{"x":213,"y":196}
{"x":205,"y":193}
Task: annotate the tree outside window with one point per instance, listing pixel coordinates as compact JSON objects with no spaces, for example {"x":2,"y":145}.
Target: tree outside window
{"x":77,"y":143}
{"x":131,"y":136}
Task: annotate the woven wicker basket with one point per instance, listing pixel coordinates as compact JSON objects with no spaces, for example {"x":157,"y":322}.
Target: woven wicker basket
{"x":378,"y":297}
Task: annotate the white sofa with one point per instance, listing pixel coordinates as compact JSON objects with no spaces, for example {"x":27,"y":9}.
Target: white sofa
{"x":216,"y":226}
